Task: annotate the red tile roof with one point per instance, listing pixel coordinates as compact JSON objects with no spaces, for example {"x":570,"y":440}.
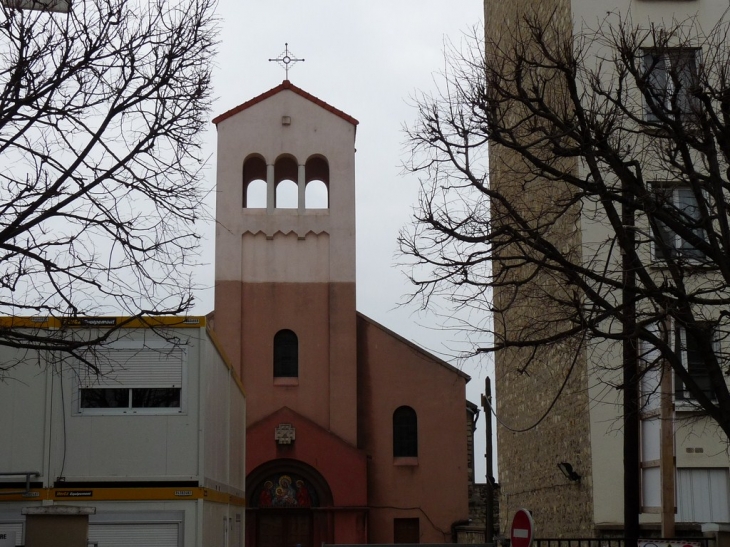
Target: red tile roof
{"x":286,"y":84}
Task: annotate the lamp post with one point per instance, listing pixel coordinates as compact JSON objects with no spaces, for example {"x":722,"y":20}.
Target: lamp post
{"x":630,"y":369}
{"x":489,"y":503}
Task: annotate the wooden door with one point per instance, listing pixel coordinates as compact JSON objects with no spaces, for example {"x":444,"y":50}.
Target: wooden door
{"x":284,"y":529}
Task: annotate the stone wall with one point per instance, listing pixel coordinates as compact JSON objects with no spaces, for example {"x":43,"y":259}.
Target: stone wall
{"x":543,"y":418}
{"x":474,"y":532}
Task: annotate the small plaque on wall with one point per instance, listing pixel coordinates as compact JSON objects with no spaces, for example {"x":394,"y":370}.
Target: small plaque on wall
{"x":285,"y":434}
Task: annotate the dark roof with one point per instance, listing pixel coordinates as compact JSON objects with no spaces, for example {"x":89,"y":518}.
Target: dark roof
{"x":415,"y":346}
{"x":286,"y":84}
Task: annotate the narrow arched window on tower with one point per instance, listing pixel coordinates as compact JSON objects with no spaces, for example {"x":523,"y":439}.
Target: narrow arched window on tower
{"x":286,"y":354}
{"x":405,"y":433}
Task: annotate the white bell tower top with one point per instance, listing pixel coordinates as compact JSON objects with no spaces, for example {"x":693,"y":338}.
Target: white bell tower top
{"x":285,"y":136}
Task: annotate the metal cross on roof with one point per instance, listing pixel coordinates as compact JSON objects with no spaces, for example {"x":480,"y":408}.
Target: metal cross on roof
{"x":285,"y":59}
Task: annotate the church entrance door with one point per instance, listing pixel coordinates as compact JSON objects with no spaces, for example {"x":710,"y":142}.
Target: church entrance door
{"x":285,"y":528}
{"x":284,"y":498}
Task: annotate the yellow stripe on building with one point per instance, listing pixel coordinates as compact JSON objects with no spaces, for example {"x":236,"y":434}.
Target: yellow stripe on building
{"x":122,"y":494}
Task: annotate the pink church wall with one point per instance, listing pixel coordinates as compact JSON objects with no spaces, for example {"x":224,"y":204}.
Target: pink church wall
{"x":395,"y":373}
{"x":342,"y":466}
{"x":323,"y":317}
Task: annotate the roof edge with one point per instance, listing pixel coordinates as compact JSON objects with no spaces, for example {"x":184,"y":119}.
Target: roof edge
{"x":285,"y":85}
{"x":310,"y":421}
{"x":415,"y":346}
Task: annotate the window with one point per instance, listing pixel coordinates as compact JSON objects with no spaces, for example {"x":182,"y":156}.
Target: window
{"x":405,"y":433}
{"x":695,"y":365}
{"x":133,"y":378}
{"x":121,"y":397}
{"x":651,"y":363}
{"x":702,"y":495}
{"x":286,"y":354}
{"x":681,"y":203}
{"x":406,"y":531}
{"x":671,"y":75}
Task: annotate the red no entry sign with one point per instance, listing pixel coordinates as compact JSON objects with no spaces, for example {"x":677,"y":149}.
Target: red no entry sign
{"x":522,"y":528}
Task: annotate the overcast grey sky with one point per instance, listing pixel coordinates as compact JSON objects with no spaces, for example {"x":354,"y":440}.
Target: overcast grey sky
{"x":367,"y":58}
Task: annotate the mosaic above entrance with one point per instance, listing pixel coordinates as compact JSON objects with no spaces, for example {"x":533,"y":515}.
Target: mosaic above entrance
{"x":287,"y":490}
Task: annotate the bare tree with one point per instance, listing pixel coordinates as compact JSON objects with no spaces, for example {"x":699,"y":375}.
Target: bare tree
{"x":101,"y":112}
{"x":601,"y":213}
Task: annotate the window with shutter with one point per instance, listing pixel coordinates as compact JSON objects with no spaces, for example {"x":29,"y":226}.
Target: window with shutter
{"x":133,"y":378}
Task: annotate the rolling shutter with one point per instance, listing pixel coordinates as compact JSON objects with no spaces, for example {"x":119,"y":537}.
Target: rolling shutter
{"x":136,"y":367}
{"x":152,"y":534}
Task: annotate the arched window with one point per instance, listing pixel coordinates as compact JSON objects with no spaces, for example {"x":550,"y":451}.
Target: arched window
{"x":405,"y":432}
{"x":286,"y":354}
{"x":254,"y":183}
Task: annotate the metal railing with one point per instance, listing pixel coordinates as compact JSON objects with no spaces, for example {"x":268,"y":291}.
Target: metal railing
{"x":27,"y":474}
{"x":615,"y":542}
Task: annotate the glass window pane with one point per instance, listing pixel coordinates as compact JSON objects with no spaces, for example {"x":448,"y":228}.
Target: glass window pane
{"x":286,"y":354}
{"x":651,"y":487}
{"x":681,"y":204}
{"x":105,"y":398}
{"x":702,"y":495}
{"x":156,"y":397}
{"x":650,"y":439}
{"x":405,"y":432}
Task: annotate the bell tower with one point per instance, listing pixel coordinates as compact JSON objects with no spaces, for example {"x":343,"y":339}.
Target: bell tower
{"x":285,"y":256}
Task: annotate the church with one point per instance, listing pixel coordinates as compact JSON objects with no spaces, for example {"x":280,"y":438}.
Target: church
{"x":353,"y":434}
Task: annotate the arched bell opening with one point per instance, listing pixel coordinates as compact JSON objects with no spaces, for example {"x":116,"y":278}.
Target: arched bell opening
{"x":317,"y":180}
{"x":285,"y":180}
{"x":254,"y":182}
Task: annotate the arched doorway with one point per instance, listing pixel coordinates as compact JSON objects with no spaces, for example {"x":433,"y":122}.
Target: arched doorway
{"x":284,"y":501}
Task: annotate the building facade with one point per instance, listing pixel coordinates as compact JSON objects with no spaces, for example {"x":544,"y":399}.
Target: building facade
{"x":347,"y":432}
{"x":355,"y":435}
{"x":151,"y":449}
{"x":584,"y":425}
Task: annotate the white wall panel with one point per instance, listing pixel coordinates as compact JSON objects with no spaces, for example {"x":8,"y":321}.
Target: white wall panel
{"x":23,"y":413}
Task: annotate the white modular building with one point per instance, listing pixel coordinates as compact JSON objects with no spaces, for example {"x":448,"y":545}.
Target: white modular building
{"x":151,"y":443}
